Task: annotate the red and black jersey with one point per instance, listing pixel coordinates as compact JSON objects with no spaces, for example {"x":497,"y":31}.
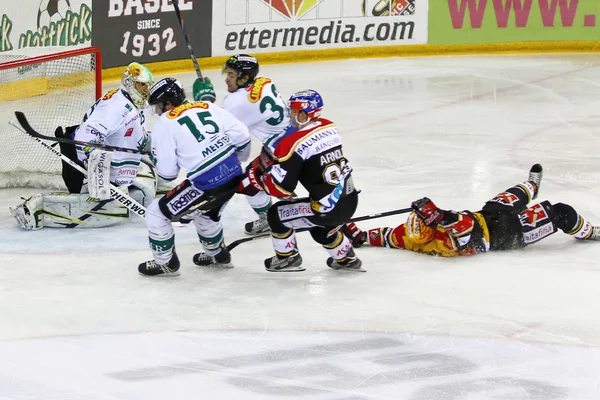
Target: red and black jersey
{"x":312,"y":157}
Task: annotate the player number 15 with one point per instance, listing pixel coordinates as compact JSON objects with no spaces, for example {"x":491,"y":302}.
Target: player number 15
{"x":138,"y":43}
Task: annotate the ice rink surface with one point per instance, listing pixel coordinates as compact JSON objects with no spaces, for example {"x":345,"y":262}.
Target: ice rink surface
{"x":78,"y":322}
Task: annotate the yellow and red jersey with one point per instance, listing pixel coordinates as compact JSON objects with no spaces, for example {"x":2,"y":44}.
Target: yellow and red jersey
{"x":467,"y":235}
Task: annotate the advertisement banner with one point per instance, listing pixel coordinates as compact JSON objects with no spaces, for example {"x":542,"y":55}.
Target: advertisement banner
{"x":501,"y":21}
{"x":44,"y":23}
{"x":148,"y":30}
{"x":254,"y":26}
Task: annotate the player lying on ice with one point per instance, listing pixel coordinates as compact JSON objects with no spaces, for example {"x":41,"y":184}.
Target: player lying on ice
{"x":116,"y":119}
{"x":504,"y":223}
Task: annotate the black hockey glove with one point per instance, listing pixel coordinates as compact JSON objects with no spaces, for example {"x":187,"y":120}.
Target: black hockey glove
{"x":427,"y":211}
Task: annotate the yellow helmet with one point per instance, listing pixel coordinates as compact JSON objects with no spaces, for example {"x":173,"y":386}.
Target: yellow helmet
{"x":417,"y":231}
{"x":137,"y":81}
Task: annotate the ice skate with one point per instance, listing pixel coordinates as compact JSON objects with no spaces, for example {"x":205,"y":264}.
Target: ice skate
{"x":151,"y":268}
{"x":285,"y":264}
{"x":587,"y":232}
{"x":595,"y":233}
{"x":261,"y":225}
{"x":221,"y":260}
{"x":535,"y":176}
{"x":350,"y":263}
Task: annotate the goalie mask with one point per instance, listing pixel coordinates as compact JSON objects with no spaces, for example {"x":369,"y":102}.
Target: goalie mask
{"x":137,"y":81}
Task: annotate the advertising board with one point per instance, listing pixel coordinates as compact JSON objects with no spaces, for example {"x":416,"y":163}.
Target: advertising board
{"x":253,"y":26}
{"x":148,"y":30}
{"x":45,"y":23}
{"x":501,"y":21}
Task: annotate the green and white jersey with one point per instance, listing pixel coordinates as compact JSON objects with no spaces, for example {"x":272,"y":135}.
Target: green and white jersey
{"x":261,"y":108}
{"x":197,"y":137}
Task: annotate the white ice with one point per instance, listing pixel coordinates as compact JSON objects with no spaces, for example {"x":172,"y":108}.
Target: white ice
{"x":78,"y":322}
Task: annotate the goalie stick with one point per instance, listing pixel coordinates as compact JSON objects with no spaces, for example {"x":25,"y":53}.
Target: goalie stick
{"x":187,"y":40}
{"x":236,"y":243}
{"x":115,"y":193}
{"x":32,"y":132}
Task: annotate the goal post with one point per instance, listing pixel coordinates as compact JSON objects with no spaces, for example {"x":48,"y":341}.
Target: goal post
{"x":53,"y":87}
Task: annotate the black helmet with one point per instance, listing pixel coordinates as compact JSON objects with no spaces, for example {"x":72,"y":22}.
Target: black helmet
{"x":244,"y":64}
{"x":168,"y":89}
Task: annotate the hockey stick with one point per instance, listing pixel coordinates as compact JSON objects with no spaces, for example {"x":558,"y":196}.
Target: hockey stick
{"x":115,"y":193}
{"x":187,"y":40}
{"x":32,"y":132}
{"x":236,"y":243}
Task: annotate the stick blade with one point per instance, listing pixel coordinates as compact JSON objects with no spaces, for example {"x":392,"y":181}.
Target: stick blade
{"x":24,"y":123}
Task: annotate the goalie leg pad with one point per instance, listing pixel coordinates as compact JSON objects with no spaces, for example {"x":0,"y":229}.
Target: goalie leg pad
{"x":144,"y":187}
{"x":64,"y":210}
{"x":537,"y":222}
{"x":99,"y":174}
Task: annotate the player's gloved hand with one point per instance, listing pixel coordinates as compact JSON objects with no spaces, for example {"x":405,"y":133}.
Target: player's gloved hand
{"x":356,"y":236}
{"x":204,"y":90}
{"x":263,"y":162}
{"x":251,"y":183}
{"x":427,"y":211}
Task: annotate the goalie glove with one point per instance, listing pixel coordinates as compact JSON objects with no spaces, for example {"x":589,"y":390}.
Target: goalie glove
{"x":98,"y":164}
{"x":427,"y":211}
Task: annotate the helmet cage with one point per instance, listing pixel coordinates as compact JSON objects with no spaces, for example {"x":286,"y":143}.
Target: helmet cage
{"x":137,"y":81}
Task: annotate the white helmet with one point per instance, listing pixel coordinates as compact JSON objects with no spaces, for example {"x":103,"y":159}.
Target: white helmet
{"x":137,"y":81}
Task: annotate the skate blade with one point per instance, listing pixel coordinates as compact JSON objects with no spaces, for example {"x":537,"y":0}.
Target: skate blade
{"x":163,"y":275}
{"x":216,"y":266}
{"x":288,"y":269}
{"x":357,"y":268}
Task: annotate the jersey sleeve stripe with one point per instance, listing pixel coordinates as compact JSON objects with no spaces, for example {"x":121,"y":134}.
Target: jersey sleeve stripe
{"x":167,"y":178}
{"x":242,"y":147}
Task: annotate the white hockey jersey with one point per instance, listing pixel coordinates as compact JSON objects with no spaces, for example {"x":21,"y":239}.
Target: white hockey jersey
{"x":204,"y":140}
{"x":262,"y":109}
{"x":114,"y":120}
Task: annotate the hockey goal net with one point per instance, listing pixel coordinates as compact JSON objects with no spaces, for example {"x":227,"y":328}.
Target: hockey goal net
{"x":53,"y":89}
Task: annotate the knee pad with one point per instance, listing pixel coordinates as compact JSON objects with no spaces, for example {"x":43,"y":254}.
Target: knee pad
{"x":324,"y":236}
{"x":156,"y":219}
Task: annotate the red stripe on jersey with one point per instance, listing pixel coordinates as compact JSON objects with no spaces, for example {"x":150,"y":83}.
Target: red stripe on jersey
{"x":288,"y":144}
{"x":273,"y":189}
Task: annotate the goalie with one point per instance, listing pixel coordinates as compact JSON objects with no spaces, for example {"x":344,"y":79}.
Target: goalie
{"x":504,"y":223}
{"x":116,"y":119}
